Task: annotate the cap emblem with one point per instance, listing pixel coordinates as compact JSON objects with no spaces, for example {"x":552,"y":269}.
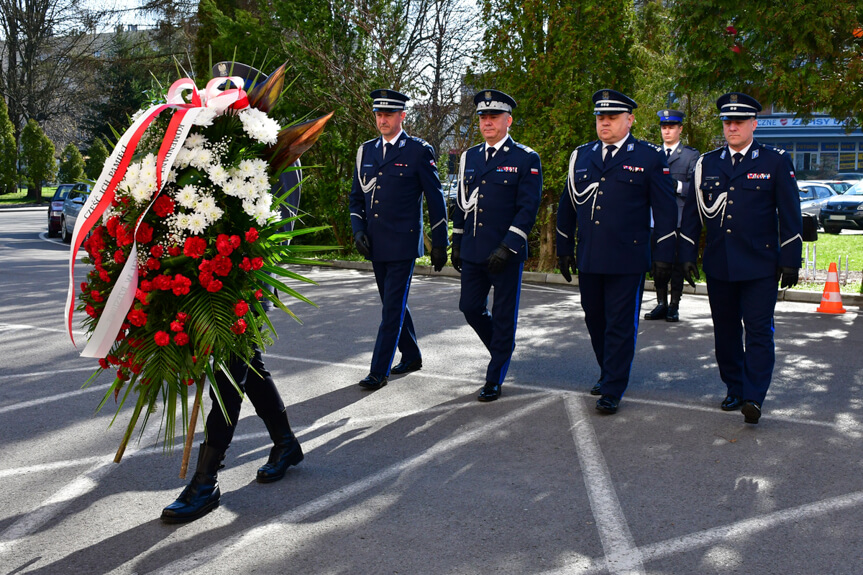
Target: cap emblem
{"x":605,"y":95}
{"x":223,"y":69}
{"x":733,"y":98}
{"x":488,"y":95}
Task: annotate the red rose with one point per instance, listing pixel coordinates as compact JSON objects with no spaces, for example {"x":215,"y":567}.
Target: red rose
{"x":223,"y":245}
{"x":181,"y":284}
{"x":214,"y":286}
{"x":194,"y":247}
{"x":162,"y":282}
{"x":163,"y":206}
{"x":91,"y":311}
{"x":222,"y":265}
{"x":103,"y":363}
{"x":182,"y":316}
{"x":144,"y":234}
{"x":174,"y":251}
{"x":251,"y":235}
{"x":119,"y":257}
{"x":239,"y":327}
{"x":137,"y":317}
{"x":259,"y":294}
{"x":176,"y":326}
{"x":257,"y":263}
{"x":162,"y":338}
{"x":157,"y":251}
{"x":246,"y":265}
{"x":241,"y":308}
{"x":181,"y":338}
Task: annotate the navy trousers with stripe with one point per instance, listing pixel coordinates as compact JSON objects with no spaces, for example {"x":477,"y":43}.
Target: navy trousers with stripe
{"x":496,"y":330}
{"x":397,"y":328}
{"x":611,"y":304}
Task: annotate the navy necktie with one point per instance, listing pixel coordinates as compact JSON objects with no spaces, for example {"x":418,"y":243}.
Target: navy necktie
{"x":489,"y":153}
{"x":609,"y":152}
{"x":387,"y":148}
{"x":737,"y":158}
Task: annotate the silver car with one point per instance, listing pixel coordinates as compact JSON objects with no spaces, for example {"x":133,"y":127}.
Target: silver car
{"x":813,"y":195}
{"x":71,"y":208}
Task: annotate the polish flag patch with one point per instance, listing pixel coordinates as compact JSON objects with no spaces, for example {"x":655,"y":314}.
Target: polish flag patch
{"x":534,"y":172}
{"x":666,"y":171}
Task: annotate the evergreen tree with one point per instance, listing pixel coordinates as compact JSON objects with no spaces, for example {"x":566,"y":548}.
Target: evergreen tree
{"x":37,"y":155}
{"x":71,"y":164}
{"x":8,"y":152}
{"x":97,"y":155}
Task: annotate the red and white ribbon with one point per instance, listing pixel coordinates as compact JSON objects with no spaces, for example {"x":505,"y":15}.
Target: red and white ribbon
{"x":123,"y":293}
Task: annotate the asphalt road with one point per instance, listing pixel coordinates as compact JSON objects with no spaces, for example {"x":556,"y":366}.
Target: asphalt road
{"x":420,"y":478}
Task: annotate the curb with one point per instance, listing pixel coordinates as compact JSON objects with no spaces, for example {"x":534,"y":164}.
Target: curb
{"x":799,"y":296}
{"x":24,"y":209}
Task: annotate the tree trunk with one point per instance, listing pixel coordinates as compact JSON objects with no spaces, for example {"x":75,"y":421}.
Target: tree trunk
{"x":547,"y":220}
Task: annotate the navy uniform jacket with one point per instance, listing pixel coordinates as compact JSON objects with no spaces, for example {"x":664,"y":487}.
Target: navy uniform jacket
{"x":387,"y":198}
{"x":751,"y":212}
{"x":681,"y":163}
{"x":609,"y":211}
{"x":498,"y":201}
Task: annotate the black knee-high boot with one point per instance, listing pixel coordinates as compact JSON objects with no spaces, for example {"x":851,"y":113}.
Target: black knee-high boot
{"x":286,"y":449}
{"x":202,"y":494}
{"x":660,"y":311}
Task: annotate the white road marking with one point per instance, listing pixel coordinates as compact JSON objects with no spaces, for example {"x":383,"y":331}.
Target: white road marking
{"x":50,"y":398}
{"x":621,"y":554}
{"x":237,"y":543}
{"x":46,"y":373}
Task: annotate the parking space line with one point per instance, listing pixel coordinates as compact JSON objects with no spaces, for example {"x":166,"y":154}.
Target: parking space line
{"x":622,"y":556}
{"x":235,"y":544}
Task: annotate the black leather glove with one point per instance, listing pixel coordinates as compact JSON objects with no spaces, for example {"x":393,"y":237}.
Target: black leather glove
{"x":498,"y":258}
{"x":661,"y":273}
{"x":788,"y":276}
{"x":456,"y":257}
{"x":690,"y":273}
{"x":566,"y":263}
{"x":364,"y":246}
{"x":438,"y":258}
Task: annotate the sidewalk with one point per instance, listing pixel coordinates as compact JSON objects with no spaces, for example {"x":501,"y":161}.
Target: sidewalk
{"x":556,"y":279}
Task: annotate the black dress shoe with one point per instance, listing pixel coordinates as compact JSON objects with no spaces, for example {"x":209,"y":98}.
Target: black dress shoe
{"x":751,"y":411}
{"x":731,"y":403}
{"x":407,"y":366}
{"x":659,"y":312}
{"x":489,"y":392}
{"x":372,"y":381}
{"x":607,"y":404}
{"x":596,"y":389}
{"x":673,"y":314}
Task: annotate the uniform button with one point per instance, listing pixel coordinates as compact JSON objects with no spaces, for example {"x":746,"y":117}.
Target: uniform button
{"x":757,"y":187}
{"x":728,"y":216}
{"x":504,"y":181}
{"x":480,"y":224}
{"x":401,"y":173}
{"x":380,"y":173}
{"x":730,"y":202}
{"x":599,"y":193}
{"x":483,"y":181}
{"x":731,"y":188}
{"x":377,"y":201}
{"x":481,"y":196}
{"x":635,"y":242}
{"x":376,"y":215}
{"x":727,"y":231}
{"x":480,"y":210}
{"x":596,"y":222}
{"x":379,"y":187}
{"x":601,"y":179}
{"x":598,"y":207}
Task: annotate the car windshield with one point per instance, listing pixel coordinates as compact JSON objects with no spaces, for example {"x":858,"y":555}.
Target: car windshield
{"x":61,"y":193}
{"x":855,"y":190}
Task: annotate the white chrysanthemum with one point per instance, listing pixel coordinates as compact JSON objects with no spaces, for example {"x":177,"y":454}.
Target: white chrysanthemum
{"x":247,"y":191}
{"x":218,"y":174}
{"x":172,"y":177}
{"x":141,"y":193}
{"x":187,"y":196}
{"x":205,"y":117}
{"x":194,"y":141}
{"x":231,"y":188}
{"x":182,"y":221}
{"x":201,"y":158}
{"x":183,"y":158}
{"x":197,"y":223}
{"x":250,"y":207}
{"x":261,"y":182}
{"x":259,"y":126}
{"x":213,"y":214}
{"x":247,"y":169}
{"x":205,"y":203}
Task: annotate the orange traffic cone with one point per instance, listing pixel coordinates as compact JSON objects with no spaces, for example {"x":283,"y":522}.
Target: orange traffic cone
{"x":831,"y":301}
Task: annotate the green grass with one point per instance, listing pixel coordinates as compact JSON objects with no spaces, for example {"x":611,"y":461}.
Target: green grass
{"x":20,"y":197}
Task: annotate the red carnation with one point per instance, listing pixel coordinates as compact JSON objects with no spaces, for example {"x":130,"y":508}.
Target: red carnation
{"x":153,"y":264}
{"x":181,"y":338}
{"x":194,"y":247}
{"x":136,"y":368}
{"x":257,"y":263}
{"x":259,"y":294}
{"x":104,"y":276}
{"x":144,"y":234}
{"x":223,"y":245}
{"x":119,"y":257}
{"x":241,"y":308}
{"x":124,"y":235}
{"x":239,"y":327}
{"x":91,"y":311}
{"x":235,"y":241}
{"x":182,"y":316}
{"x":222,"y":265}
{"x":162,"y":282}
{"x":121,"y":335}
{"x":157,"y":251}
{"x":176,"y":326}
{"x":214,"y":286}
{"x":112,"y":359}
{"x":205,"y":278}
{"x":97,"y":297}
{"x":181,"y":284}
{"x":85,"y":286}
{"x":103,"y":363}
{"x":206,"y":266}
{"x":246,"y":265}
{"x":163,"y":206}
{"x":162,"y":338}
{"x":251,"y":235}
{"x":137,"y":317}
{"x":111,"y":226}
{"x":174,"y":251}
{"x":122,"y":376}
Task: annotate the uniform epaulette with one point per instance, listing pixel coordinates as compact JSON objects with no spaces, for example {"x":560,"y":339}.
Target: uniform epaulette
{"x":713,"y":151}
{"x":779,"y":151}
{"x":477,"y":145}
{"x":586,"y":144}
{"x":371,"y":141}
{"x":685,"y":147}
{"x":420,"y":140}
{"x":649,"y":144}
{"x":527,"y":149}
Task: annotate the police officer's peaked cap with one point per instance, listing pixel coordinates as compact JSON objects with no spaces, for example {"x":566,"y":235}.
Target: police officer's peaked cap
{"x":612,"y":102}
{"x":388,"y":101}
{"x":493,"y":102}
{"x":252,"y":76}
{"x":670,"y":116}
{"x":737,"y":106}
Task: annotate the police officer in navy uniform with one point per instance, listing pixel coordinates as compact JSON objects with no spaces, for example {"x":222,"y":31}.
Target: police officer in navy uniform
{"x":746,"y":195}
{"x":499,"y":190}
{"x":391,"y":176}
{"x":612,"y":185}
{"x":681,"y":161}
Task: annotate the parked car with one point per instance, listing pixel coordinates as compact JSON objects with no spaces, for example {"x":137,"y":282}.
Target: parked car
{"x":450,"y":191}
{"x":849,"y":176}
{"x":839,"y":186}
{"x":844,"y":211}
{"x":813,"y":195}
{"x":55,"y":208}
{"x":71,"y":208}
